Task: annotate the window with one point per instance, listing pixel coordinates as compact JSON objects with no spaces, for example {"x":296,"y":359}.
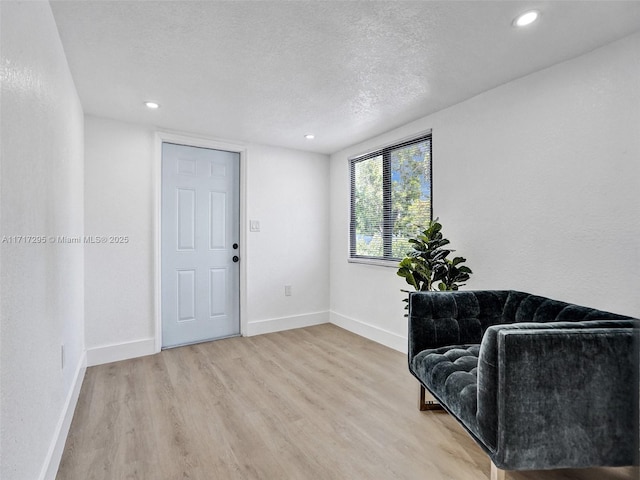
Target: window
{"x":390,"y":199}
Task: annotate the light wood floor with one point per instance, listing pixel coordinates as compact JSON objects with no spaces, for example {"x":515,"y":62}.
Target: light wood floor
{"x":314,"y":403}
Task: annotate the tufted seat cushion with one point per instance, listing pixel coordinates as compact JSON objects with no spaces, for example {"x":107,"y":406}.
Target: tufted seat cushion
{"x":451,"y":374}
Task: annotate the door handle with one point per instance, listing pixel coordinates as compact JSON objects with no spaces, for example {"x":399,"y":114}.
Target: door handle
{"x":235,"y":259}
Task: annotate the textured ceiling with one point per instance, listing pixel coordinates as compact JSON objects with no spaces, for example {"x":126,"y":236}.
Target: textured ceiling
{"x":270,"y":72}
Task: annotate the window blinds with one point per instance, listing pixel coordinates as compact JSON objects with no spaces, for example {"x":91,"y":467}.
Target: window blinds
{"x":390,"y":198}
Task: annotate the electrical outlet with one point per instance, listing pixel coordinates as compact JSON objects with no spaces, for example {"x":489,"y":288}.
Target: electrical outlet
{"x":287,"y":290}
{"x":254,"y":226}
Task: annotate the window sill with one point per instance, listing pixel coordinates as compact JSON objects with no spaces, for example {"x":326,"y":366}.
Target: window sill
{"x":375,"y":261}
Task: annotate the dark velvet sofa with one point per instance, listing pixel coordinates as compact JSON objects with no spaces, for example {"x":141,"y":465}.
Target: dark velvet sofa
{"x":537,"y":383}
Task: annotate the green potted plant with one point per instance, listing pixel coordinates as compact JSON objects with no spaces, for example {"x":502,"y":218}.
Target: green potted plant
{"x":427,"y":267}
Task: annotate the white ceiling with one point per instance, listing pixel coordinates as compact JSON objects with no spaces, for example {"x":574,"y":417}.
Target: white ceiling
{"x":271,"y":71}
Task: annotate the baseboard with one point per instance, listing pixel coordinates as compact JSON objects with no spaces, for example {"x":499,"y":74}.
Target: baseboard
{"x":286,"y":323}
{"x":54,"y":455}
{"x":377,"y":334}
{"x":120,"y":351}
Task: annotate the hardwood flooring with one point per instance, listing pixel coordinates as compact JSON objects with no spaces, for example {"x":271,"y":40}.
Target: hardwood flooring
{"x":313,"y":403}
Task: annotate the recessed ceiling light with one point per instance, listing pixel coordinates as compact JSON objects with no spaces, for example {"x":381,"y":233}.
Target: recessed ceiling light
{"x":151,"y":104}
{"x":526,"y":18}
{"x":309,"y":136}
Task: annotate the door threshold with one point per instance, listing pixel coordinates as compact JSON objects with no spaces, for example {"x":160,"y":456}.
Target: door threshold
{"x":197,"y":342}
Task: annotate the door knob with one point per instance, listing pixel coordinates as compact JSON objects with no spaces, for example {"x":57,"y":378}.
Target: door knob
{"x":235,"y":259}
{"x":235,"y":246}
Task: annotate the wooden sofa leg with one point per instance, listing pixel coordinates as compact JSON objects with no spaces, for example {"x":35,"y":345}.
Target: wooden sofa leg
{"x":427,"y":405}
{"x":496,"y":473}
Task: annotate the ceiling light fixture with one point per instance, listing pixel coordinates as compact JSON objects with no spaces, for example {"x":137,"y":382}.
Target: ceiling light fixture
{"x":153,"y":105}
{"x":526,"y":18}
{"x":309,"y":136}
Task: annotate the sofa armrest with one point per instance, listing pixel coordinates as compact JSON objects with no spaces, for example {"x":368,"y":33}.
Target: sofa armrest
{"x":563,"y":394}
{"x":438,"y":319}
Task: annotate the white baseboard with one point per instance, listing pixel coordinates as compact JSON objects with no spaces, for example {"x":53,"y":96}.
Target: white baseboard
{"x":286,"y":323}
{"x":377,"y":334}
{"x":56,"y":449}
{"x":120,"y":351}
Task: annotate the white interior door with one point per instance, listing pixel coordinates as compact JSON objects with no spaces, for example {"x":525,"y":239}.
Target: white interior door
{"x":200,"y":236}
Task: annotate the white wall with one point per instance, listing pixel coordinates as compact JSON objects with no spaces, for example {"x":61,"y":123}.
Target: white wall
{"x":41,"y":284}
{"x":536,"y":184}
{"x":119,"y":296}
{"x":286,"y":191}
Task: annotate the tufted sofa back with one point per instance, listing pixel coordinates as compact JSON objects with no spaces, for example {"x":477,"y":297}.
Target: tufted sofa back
{"x":524,"y":307}
{"x":438,"y":319}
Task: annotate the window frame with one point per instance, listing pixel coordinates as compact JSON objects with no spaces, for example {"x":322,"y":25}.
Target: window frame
{"x":385,"y":151}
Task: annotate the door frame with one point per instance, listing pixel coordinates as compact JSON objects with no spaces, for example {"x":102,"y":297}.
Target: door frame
{"x":181,"y":139}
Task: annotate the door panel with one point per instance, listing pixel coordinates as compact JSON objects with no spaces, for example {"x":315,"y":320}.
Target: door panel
{"x":218,"y":294}
{"x":186,"y":212}
{"x":186,"y":307}
{"x":217,"y":222}
{"x":200,"y":223}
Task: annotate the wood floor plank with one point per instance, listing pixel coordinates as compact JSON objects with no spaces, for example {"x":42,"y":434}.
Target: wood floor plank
{"x":313,"y":403}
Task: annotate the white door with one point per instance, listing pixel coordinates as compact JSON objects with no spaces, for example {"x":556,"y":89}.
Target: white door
{"x":200,"y":237}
